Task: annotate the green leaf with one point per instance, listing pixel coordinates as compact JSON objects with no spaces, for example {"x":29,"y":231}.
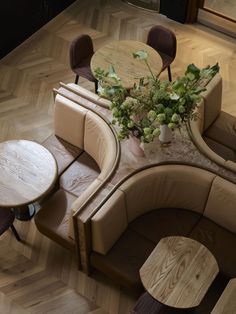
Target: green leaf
{"x":194,"y":70}
{"x":141,"y":54}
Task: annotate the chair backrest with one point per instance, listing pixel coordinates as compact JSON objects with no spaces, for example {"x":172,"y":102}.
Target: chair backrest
{"x":212,"y":100}
{"x":81,"y":48}
{"x":162,"y":40}
{"x":156,"y":187}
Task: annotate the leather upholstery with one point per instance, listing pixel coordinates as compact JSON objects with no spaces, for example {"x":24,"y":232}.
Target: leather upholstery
{"x":63,"y":152}
{"x":86,"y":94}
{"x":212,"y":100}
{"x":163,"y":40}
{"x":220,"y":149}
{"x":81,"y":52}
{"x":223,"y":130}
{"x":77,"y":178}
{"x":221,"y":204}
{"x":158,"y":202}
{"x":69,"y":119}
{"x":53,"y":219}
{"x":214,"y":133}
{"x":86,"y":151}
{"x":99,"y":143}
{"x":220,"y":241}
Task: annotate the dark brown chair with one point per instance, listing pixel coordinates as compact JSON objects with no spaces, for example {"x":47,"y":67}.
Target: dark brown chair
{"x":7,"y":218}
{"x":163,"y":41}
{"x":81,"y":52}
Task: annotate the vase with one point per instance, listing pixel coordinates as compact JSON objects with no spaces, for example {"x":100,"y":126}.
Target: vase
{"x":134,"y":146}
{"x":166,"y":134}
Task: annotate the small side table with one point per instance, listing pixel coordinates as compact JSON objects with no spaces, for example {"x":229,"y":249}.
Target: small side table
{"x":179,"y":272}
{"x":27,"y":172}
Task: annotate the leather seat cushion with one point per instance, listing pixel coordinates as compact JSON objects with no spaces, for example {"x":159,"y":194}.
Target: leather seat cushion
{"x":123,"y":261}
{"x":221,"y":150}
{"x":125,"y":258}
{"x":52,"y":219}
{"x":77,"y":178}
{"x":165,"y":222}
{"x":64,"y":152}
{"x":220,"y":242}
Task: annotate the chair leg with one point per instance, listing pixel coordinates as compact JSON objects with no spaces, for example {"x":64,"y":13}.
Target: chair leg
{"x":96,"y":86}
{"x":76,"y":79}
{"x":15,"y":233}
{"x":169,"y":73}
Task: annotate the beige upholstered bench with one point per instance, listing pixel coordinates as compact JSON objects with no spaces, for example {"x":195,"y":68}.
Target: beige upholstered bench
{"x":86,"y":149}
{"x":214,"y":133}
{"x":162,"y":201}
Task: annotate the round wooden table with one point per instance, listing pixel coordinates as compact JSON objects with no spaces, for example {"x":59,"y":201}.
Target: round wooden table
{"x":120,"y":55}
{"x":27,"y":172}
{"x":179,"y":272}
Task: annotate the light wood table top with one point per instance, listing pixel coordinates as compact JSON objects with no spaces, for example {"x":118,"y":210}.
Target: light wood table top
{"x":120,"y":55}
{"x":227,"y":302}
{"x":27,"y":171}
{"x":179,"y":272}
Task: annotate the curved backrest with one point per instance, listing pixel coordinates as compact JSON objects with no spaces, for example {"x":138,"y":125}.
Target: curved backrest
{"x":221,"y":204}
{"x":81,"y":48}
{"x":166,"y":186}
{"x":162,"y":40}
{"x":212,"y":100}
{"x":85,"y":129}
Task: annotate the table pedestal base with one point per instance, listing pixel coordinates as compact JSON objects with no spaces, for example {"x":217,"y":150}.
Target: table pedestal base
{"x":24,"y":213}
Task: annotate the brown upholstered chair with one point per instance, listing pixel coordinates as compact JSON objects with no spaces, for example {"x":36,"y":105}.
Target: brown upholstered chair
{"x":7,"y":218}
{"x":163,"y":41}
{"x":81,"y":52}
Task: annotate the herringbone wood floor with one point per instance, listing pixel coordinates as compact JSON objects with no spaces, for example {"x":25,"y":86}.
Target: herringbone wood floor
{"x":37,"y":276}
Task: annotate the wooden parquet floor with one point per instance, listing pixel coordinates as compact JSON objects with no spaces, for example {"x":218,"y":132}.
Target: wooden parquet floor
{"x":225,"y":7}
{"x":38,"y":276}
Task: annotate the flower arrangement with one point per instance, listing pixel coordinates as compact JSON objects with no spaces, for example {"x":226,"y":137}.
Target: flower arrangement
{"x":141,"y":110}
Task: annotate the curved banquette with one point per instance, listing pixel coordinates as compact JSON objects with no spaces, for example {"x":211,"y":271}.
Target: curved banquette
{"x":160,"y":201}
{"x":214,"y":132}
{"x":86,"y":149}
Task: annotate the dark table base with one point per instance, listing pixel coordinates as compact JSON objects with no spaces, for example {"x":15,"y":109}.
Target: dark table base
{"x":24,"y":213}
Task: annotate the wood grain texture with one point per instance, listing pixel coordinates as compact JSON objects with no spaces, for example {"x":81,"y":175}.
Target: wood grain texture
{"x":119,"y":54}
{"x":27,"y":77}
{"x":227,"y":302}
{"x":27,"y":171}
{"x":179,"y":272}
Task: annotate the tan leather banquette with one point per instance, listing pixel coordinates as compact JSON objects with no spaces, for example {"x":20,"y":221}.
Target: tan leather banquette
{"x":86,"y":149}
{"x":162,"y":201}
{"x":214,"y":133}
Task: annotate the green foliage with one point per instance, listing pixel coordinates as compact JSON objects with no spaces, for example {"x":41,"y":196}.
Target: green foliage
{"x":141,"y":110}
